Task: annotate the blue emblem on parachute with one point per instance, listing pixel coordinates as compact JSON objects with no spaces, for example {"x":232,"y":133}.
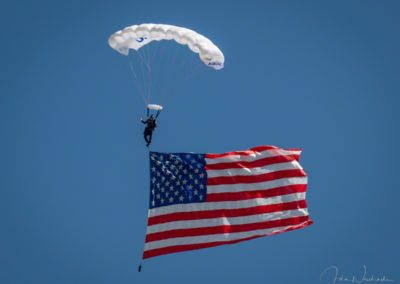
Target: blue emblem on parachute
{"x":141,"y":39}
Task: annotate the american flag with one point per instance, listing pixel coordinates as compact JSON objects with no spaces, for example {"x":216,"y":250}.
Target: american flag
{"x":205,"y":200}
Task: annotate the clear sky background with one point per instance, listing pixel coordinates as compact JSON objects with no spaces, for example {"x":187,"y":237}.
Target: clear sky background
{"x":74,"y":179}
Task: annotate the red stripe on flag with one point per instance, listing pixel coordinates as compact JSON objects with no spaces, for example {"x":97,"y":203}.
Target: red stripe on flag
{"x":255,"y":178}
{"x":253,"y":164}
{"x":225,"y":229}
{"x":181,"y":248}
{"x":243,"y":195}
{"x":195,"y":215}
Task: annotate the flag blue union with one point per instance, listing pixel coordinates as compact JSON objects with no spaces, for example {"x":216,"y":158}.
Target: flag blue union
{"x":205,"y":200}
{"x":177,"y":179}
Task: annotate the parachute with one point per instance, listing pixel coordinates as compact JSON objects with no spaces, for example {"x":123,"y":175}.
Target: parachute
{"x":135,"y":37}
{"x":136,"y":41}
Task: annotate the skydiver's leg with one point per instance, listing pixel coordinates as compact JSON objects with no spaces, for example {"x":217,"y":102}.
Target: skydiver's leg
{"x":146,"y":133}
{"x":147,"y":136}
{"x":150,"y":135}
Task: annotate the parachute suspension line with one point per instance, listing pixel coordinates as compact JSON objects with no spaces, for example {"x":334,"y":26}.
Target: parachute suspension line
{"x":153,"y":49}
{"x":148,"y":112}
{"x":142,"y":62}
{"x":155,"y":46}
{"x":145,"y":60}
{"x":171,"y":64}
{"x":149,"y":75}
{"x":136,"y":80}
{"x":156,"y":75}
{"x":192,"y":68}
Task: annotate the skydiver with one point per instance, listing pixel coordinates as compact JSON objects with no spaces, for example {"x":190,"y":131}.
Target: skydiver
{"x":148,"y":131}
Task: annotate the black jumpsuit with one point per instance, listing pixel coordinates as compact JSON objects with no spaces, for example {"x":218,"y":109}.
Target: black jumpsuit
{"x":148,"y":131}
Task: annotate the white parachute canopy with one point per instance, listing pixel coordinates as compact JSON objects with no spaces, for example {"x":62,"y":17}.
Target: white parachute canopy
{"x":137,"y":36}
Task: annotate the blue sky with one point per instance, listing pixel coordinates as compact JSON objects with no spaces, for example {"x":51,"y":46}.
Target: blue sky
{"x":318,"y":75}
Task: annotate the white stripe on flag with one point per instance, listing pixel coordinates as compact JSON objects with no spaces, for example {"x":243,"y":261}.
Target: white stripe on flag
{"x":255,"y":171}
{"x":208,"y":206}
{"x":255,"y":186}
{"x":215,"y":222}
{"x":212,"y":238}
